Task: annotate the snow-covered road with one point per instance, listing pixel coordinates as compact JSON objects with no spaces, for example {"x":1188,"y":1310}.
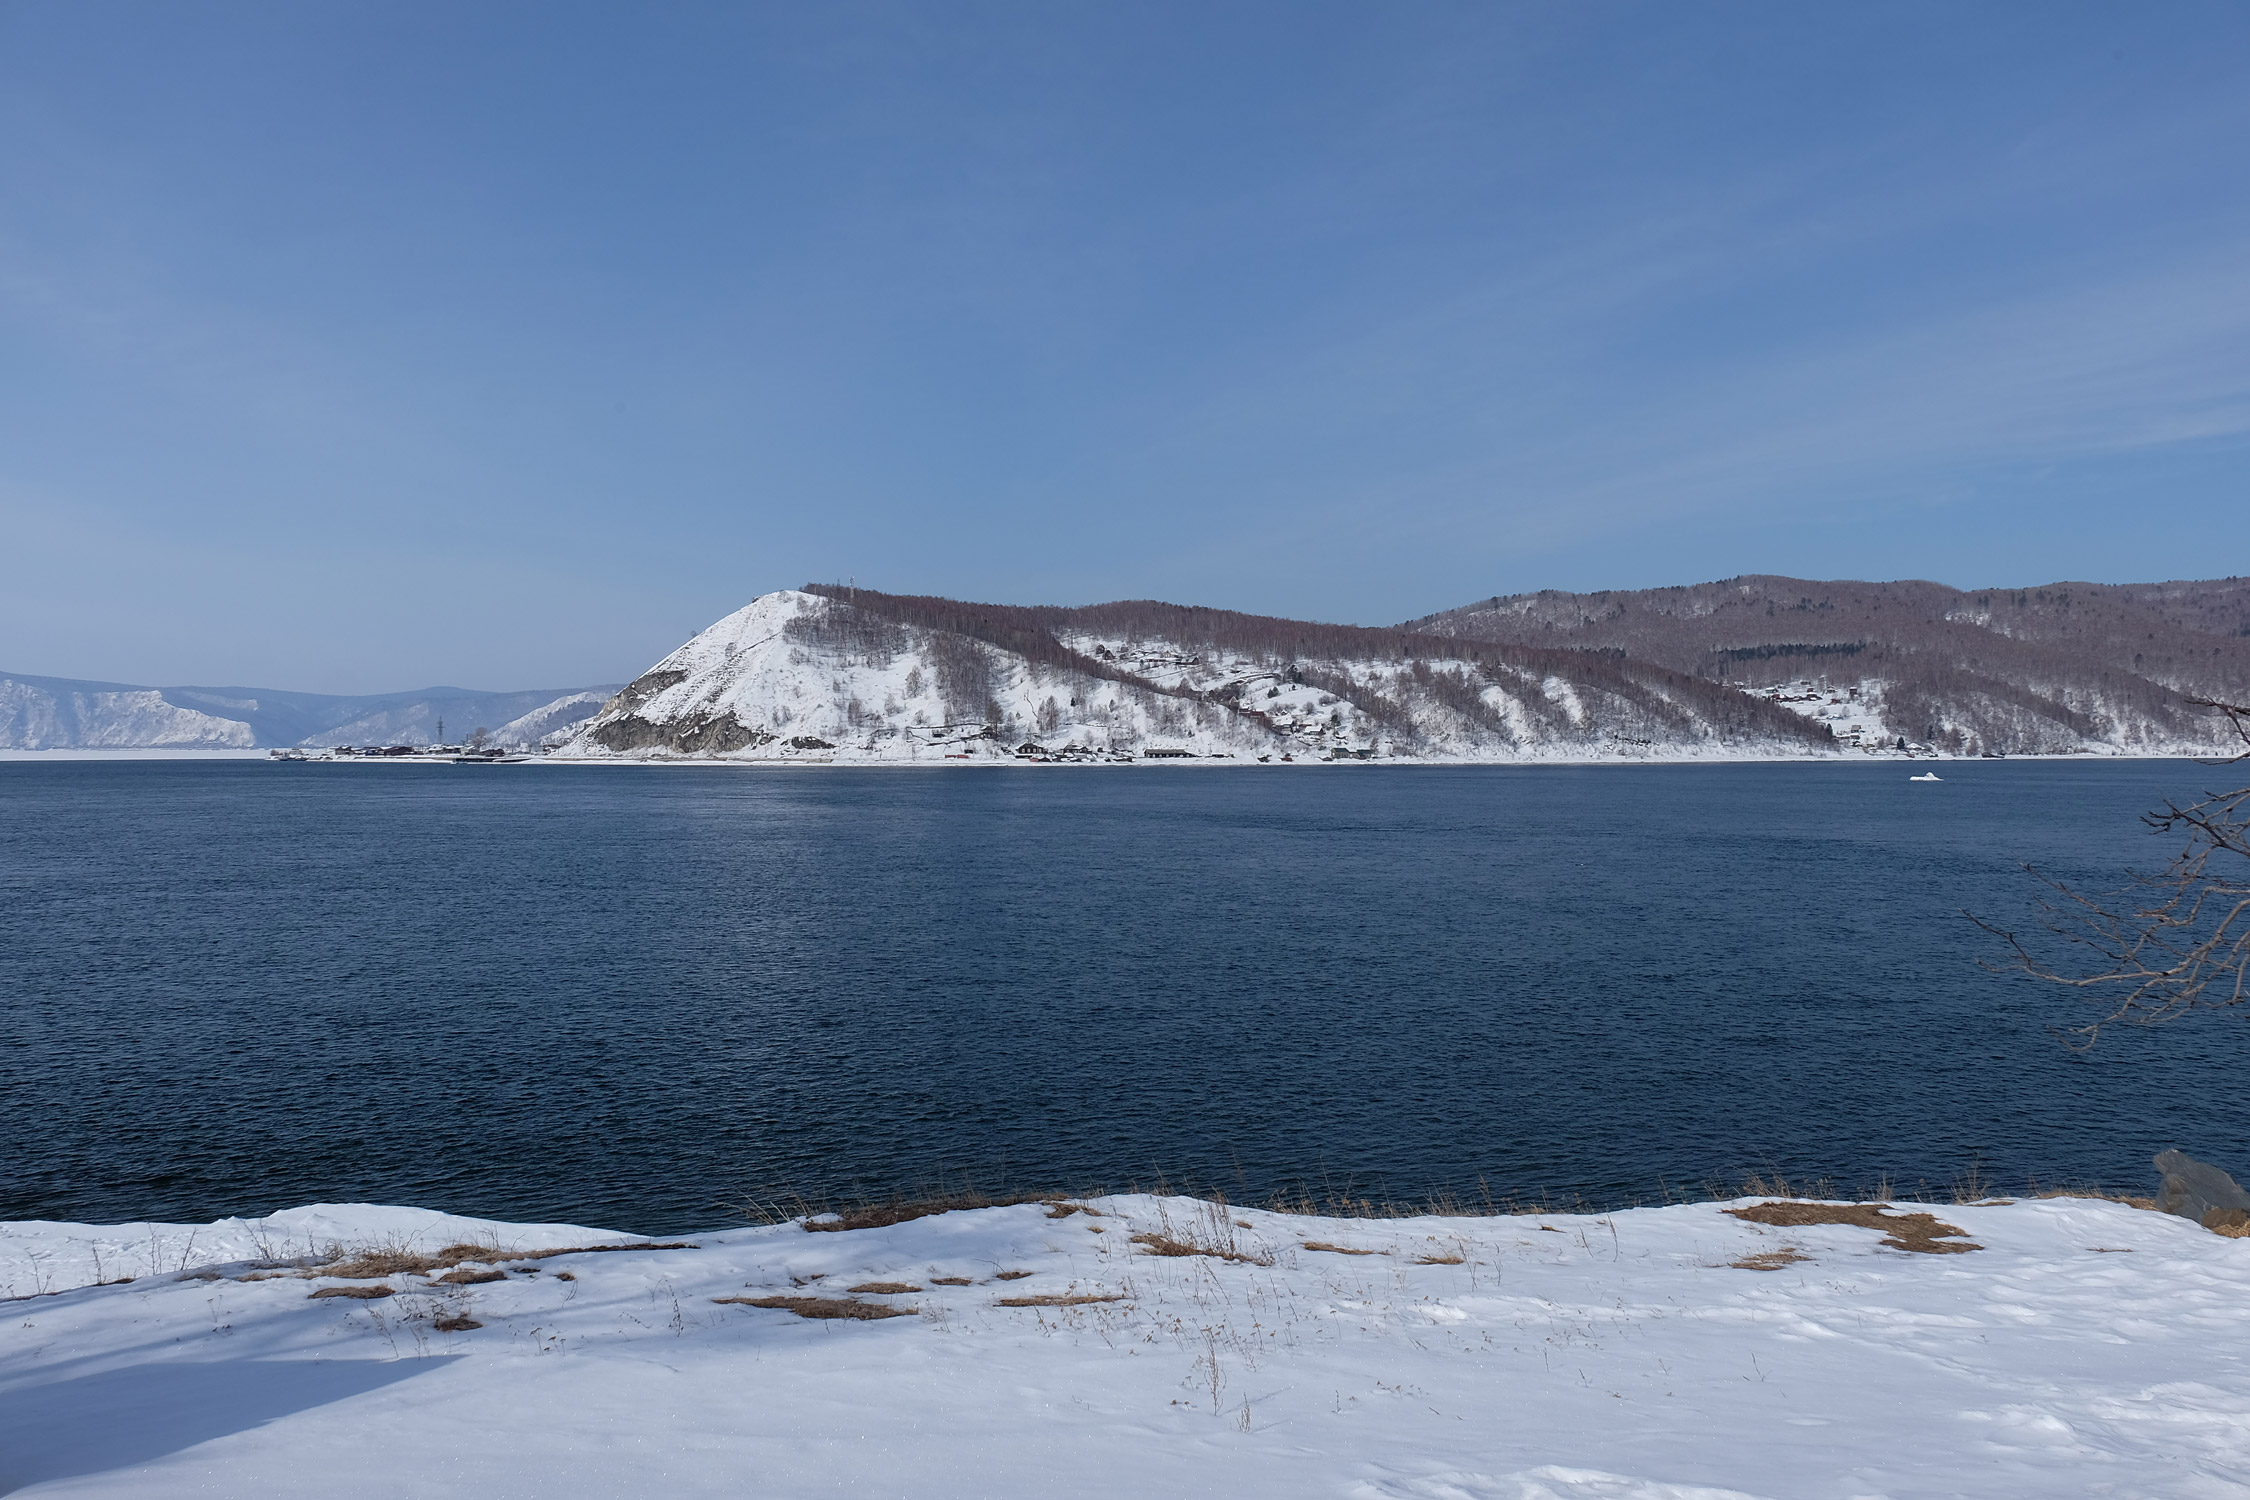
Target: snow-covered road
{"x":2087,"y":1348}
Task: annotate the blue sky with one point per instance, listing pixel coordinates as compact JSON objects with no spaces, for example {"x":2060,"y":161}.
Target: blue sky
{"x":359,"y":347}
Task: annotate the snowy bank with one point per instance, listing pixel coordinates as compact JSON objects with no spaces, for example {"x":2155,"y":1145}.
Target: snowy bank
{"x":2084,"y":1347}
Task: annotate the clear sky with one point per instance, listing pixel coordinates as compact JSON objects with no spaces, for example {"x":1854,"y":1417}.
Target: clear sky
{"x":362,"y":347}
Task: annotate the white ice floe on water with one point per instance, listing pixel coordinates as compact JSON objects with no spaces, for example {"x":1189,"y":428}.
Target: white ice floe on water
{"x":2087,"y":1348}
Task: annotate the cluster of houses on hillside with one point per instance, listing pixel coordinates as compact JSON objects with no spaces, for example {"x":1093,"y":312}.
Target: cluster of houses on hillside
{"x":1146,"y":658}
{"x":1853,"y":717}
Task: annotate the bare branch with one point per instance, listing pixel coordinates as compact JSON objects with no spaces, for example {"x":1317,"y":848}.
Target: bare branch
{"x":2163,"y":944}
{"x":2238,"y":719}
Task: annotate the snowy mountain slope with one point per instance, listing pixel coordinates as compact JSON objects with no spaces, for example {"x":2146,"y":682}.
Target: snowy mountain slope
{"x":48,"y":713}
{"x":1137,"y":1346}
{"x":2064,"y":668}
{"x":415,"y":719}
{"x":810,"y":675}
{"x":551,"y":721}
{"x":796,"y":676}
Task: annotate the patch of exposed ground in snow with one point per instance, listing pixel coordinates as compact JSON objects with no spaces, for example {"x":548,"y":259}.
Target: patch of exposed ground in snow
{"x":1138,"y":1346}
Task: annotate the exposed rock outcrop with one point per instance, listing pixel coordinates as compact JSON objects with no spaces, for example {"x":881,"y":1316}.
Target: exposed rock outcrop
{"x":2199,"y":1191}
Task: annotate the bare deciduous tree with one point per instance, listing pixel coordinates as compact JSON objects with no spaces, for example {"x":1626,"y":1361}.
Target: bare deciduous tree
{"x":2164,"y":944}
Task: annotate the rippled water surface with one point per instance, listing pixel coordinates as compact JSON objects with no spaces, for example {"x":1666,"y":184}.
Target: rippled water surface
{"x":632,"y":996}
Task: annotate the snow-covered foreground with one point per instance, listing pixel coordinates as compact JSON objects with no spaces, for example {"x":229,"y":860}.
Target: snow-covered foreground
{"x":2088,"y":1348}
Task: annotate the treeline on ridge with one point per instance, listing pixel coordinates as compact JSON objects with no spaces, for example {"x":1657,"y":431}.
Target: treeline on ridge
{"x":2013,"y":670}
{"x":1653,"y":694}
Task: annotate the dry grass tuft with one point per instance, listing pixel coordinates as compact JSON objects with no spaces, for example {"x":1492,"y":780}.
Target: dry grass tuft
{"x":884,"y":1288}
{"x":566,"y":1276}
{"x":1157,"y":1244}
{"x":453,"y":1255}
{"x":842,"y":1308}
{"x":1770,"y":1260}
{"x":953,"y":1281}
{"x":466,"y":1277}
{"x":1439,"y":1260}
{"x":456,"y":1325}
{"x":1011,"y":1275}
{"x":370,"y":1264}
{"x":2100,"y":1195}
{"x":356,"y":1293}
{"x":2233,"y":1223}
{"x":878,"y":1215}
{"x":1921,"y":1233}
{"x":1323,"y":1245}
{"x":1209,"y":1231}
{"x":1060,"y":1299}
{"x":595,"y":1250}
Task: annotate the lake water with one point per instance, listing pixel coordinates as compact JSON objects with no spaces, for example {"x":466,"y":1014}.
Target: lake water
{"x":631,"y":997}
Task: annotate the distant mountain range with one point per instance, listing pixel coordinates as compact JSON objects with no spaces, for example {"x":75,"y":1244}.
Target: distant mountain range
{"x":52,"y":713}
{"x":1752,"y":667}
{"x":1748,"y":667}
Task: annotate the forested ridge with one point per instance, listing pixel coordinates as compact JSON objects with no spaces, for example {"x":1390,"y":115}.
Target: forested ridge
{"x":2009,"y":670}
{"x":1420,"y":669}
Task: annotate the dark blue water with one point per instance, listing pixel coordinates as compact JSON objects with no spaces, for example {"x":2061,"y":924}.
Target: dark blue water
{"x":629,"y":997}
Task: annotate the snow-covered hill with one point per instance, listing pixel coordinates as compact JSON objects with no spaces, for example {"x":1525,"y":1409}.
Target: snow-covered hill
{"x":2067,"y":668}
{"x":49,"y":713}
{"x":1137,"y":1346}
{"x":451,"y":715}
{"x":43,"y":714}
{"x":550,"y":722}
{"x":801,"y":675}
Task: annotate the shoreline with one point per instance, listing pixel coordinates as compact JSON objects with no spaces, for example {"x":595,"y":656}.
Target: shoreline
{"x":1133,"y":1345}
{"x":1192,"y":763}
